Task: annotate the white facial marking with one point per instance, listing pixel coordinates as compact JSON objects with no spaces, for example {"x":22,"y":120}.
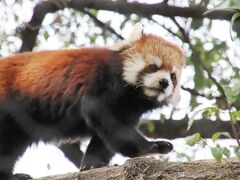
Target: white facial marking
{"x":150,"y":93}
{"x":176,"y":71}
{"x":152,"y":87}
{"x":131,"y":69}
{"x":174,"y":99}
{"x":154,"y":59}
{"x":161,"y":97}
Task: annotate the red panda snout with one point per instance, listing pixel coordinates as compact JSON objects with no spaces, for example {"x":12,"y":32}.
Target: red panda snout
{"x":158,"y":85}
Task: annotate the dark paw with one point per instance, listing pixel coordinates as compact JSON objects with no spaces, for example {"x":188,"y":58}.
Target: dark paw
{"x":164,"y":147}
{"x":21,"y":176}
{"x":87,"y":166}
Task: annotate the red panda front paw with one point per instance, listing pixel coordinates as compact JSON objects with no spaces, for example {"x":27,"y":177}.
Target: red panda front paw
{"x":163,"y":147}
{"x":93,"y":165}
{"x":21,"y":176}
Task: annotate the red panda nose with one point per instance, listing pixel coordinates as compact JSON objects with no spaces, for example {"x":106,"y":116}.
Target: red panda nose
{"x":164,"y":83}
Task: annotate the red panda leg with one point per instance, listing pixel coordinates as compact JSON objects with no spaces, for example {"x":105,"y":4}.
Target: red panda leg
{"x":97,"y":154}
{"x":13,"y":144}
{"x":121,"y":137}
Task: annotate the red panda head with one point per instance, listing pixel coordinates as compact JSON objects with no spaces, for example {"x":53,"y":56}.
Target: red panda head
{"x":154,"y":64}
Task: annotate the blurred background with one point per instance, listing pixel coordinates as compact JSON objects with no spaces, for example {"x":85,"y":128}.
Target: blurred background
{"x":205,"y":123}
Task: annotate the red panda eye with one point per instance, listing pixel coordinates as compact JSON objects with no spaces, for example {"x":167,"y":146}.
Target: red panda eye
{"x":152,"y":68}
{"x":173,"y":77}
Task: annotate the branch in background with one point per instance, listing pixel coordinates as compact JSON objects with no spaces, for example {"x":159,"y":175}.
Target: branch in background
{"x":102,"y":24}
{"x":167,"y":29}
{"x":185,"y":34}
{"x":176,"y":129}
{"x":220,"y":88}
{"x":193,"y":92}
{"x":233,"y":126}
{"x":30,"y":32}
{"x":147,"y":10}
{"x":205,"y":68}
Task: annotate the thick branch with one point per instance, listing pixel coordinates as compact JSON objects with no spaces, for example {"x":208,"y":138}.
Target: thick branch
{"x":176,"y":129}
{"x":150,"y":168}
{"x":31,"y":30}
{"x":29,"y":34}
{"x":148,"y":10}
{"x":193,"y":92}
{"x":102,"y":24}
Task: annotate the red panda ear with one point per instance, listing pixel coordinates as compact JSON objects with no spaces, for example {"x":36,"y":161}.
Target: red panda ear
{"x":136,"y":33}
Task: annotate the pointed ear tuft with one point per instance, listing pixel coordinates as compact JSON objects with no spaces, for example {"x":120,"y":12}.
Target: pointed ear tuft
{"x":136,"y":33}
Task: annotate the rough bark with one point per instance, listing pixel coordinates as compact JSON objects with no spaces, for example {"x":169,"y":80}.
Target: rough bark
{"x":149,"y":168}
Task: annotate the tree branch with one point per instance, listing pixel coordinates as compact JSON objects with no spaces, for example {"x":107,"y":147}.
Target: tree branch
{"x":193,"y":92}
{"x":168,"y":29}
{"x":102,"y":24}
{"x":30,"y":32}
{"x":185,"y":34}
{"x":187,"y":39}
{"x":150,"y":168}
{"x":178,"y":128}
{"x":148,"y":10}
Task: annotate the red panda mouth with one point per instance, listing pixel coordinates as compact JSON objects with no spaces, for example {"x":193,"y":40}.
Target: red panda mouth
{"x":155,"y":89}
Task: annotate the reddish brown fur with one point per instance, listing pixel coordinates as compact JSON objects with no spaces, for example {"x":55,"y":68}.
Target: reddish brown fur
{"x":45,"y":73}
{"x":155,"y":45}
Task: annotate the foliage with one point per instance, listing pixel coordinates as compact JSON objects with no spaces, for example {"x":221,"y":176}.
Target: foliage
{"x":192,"y":140}
{"x":235,"y":15}
{"x":229,"y":91}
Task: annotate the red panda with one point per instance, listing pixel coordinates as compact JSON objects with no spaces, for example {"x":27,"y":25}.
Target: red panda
{"x":97,"y":92}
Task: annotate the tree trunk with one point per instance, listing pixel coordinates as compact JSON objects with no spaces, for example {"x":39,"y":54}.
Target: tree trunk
{"x":149,"y":168}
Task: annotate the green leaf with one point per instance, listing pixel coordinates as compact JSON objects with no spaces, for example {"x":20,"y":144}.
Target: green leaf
{"x":217,"y":153}
{"x":192,"y":140}
{"x":234,"y":17}
{"x":151,"y":127}
{"x":208,"y":110}
{"x":226,"y":152}
{"x":232,"y":92}
{"x":93,"y":38}
{"x":196,"y":23}
{"x":16,"y":17}
{"x":46,"y":35}
{"x":216,"y":135}
{"x":235,"y":116}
